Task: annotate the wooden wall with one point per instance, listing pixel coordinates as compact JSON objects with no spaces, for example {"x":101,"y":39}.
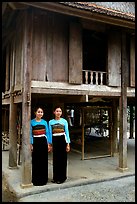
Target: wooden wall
{"x":114,"y":59}
{"x":50,"y":48}
{"x":18,"y":52}
{"x":75,"y":53}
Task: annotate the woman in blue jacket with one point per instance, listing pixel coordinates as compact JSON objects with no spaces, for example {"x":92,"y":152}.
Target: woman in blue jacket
{"x":40,"y":145}
{"x":59,"y":133}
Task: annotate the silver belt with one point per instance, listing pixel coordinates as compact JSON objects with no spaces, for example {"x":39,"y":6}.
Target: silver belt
{"x":58,"y":134}
{"x":38,"y":135}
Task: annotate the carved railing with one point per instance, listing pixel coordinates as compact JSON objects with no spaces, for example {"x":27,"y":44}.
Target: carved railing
{"x":94,"y":77}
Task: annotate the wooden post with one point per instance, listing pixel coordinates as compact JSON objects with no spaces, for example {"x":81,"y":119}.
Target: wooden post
{"x":26,"y":101}
{"x":12,"y":115}
{"x":12,"y":134}
{"x":19,"y":136}
{"x":82,"y":139}
{"x":123,"y":107}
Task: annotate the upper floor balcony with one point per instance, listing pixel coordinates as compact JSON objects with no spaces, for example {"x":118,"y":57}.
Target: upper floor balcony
{"x":94,"y":77}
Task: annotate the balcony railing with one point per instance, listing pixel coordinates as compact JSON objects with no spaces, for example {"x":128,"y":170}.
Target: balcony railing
{"x":94,"y":77}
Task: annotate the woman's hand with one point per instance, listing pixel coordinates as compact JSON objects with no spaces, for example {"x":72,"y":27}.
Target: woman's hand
{"x":31,"y":147}
{"x":49,"y":147}
{"x":68,"y":148}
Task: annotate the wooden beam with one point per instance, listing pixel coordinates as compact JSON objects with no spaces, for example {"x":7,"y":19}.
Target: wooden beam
{"x":18,"y":99}
{"x":83,"y":89}
{"x":6,"y":101}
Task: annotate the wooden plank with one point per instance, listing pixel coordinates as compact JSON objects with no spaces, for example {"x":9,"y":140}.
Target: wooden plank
{"x":21,"y":30}
{"x":39,"y":44}
{"x":60,"y":50}
{"x":49,"y":50}
{"x":18,"y":56}
{"x":75,"y":54}
{"x":114,"y":59}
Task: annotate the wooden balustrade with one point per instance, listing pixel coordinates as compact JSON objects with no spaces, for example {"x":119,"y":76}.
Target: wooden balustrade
{"x":94,"y":77}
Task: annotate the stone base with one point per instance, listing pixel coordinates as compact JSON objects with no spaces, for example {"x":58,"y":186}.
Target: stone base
{"x":115,"y":154}
{"x":122,"y":169}
{"x":26,"y":185}
{"x":15,"y":167}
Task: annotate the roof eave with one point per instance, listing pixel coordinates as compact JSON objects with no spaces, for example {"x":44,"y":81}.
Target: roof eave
{"x":59,"y":8}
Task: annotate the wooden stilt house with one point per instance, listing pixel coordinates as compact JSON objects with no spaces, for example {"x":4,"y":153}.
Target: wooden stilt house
{"x":78,"y":54}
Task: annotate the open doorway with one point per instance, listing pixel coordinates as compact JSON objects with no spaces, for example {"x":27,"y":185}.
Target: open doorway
{"x":96,"y":134}
{"x":91,"y":131}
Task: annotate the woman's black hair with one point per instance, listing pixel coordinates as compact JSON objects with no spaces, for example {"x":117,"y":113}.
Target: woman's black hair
{"x":36,"y":108}
{"x":57,"y":106}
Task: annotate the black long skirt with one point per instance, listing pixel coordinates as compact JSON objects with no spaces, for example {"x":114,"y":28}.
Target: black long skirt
{"x":40,"y":161}
{"x":59,"y":159}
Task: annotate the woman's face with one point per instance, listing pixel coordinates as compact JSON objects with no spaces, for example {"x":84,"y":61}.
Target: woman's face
{"x":58,"y":112}
{"x":39,"y":113}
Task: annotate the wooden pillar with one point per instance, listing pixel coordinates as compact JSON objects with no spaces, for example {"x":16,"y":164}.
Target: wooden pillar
{"x":82,"y":139}
{"x":123,"y":106}
{"x":131,"y":123}
{"x":12,"y":134}
{"x":12,"y":113}
{"x":26,"y":101}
